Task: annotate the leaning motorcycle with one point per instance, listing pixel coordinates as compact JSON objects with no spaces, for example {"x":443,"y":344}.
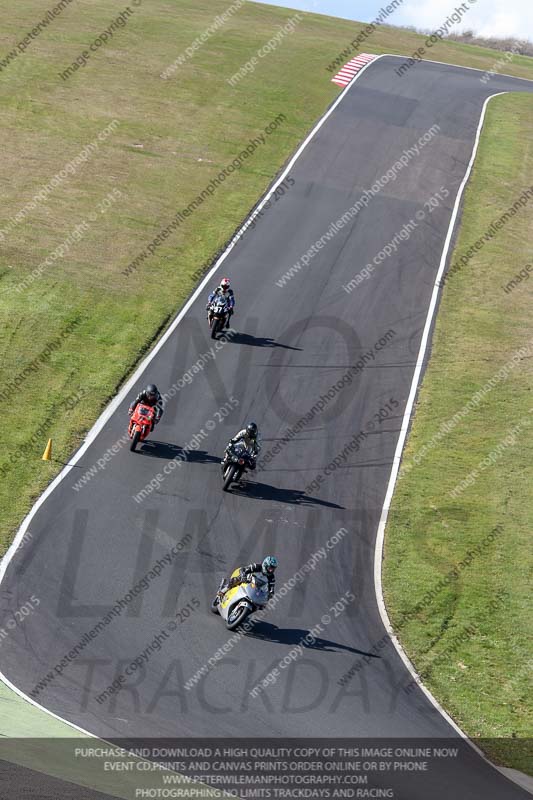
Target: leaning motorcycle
{"x":217,"y":316}
{"x":237,"y":459}
{"x":140,"y":424}
{"x":238,"y":603}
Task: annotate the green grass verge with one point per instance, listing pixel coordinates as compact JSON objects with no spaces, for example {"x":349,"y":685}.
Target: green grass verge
{"x":469,"y":636}
{"x":171,"y":138}
{"x":44,"y":750}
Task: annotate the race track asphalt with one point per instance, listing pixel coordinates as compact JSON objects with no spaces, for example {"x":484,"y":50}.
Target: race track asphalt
{"x":292,"y":344}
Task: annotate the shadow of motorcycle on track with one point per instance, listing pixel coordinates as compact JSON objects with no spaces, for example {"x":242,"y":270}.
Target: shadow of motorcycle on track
{"x":263,"y":491}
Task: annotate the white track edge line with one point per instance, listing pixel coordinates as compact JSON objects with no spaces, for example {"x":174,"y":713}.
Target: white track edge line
{"x":447,"y":64}
{"x":476,"y":69}
{"x":113,"y":405}
{"x":380,"y":538}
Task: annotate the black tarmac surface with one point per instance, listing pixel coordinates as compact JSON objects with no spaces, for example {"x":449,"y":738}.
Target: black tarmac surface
{"x":293,"y":344}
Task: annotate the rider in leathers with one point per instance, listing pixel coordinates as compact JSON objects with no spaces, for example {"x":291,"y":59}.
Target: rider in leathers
{"x":267,"y":568}
{"x":249,"y":436}
{"x":150,"y":396}
{"x":226,"y":292}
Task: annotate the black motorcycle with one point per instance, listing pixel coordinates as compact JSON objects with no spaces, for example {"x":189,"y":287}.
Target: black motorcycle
{"x":238,"y":459}
{"x":217,"y":316}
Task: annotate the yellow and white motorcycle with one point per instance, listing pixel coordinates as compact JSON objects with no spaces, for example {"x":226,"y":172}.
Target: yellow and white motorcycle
{"x":238,"y":603}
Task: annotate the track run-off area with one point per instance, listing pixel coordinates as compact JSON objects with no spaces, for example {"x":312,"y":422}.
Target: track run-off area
{"x":337,"y":286}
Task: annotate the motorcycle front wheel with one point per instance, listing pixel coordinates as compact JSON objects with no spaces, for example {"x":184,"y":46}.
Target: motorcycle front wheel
{"x":231,"y":475}
{"x":135,"y":440}
{"x":216,"y":327}
{"x":214,"y":605}
{"x":237,"y":617}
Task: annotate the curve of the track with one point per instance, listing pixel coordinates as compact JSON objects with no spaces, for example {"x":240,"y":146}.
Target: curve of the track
{"x":87,"y":548}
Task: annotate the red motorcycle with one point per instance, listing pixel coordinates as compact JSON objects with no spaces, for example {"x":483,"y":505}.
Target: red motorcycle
{"x":141,"y":422}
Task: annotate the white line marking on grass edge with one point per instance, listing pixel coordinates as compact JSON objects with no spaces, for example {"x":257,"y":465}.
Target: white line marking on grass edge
{"x":109,"y":411}
{"x":476,"y":69}
{"x":113,"y":405}
{"x":380,"y":538}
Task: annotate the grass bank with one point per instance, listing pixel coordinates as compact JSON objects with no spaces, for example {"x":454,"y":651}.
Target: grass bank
{"x":458,"y":552}
{"x":96,"y":162}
